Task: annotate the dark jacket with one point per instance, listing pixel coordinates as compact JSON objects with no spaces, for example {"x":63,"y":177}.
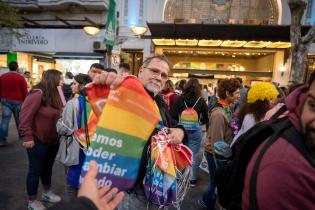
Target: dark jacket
{"x":201,"y":108}
{"x":81,"y":203}
{"x":168,"y":121}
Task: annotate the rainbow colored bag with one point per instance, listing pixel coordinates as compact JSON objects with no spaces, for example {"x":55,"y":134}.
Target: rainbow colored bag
{"x":124,"y":126}
{"x":189,"y":118}
{"x":168,"y":171}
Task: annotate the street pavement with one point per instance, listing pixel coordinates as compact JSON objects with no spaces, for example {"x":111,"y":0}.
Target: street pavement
{"x":13,"y":171}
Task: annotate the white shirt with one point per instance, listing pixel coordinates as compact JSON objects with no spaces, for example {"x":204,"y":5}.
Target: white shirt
{"x":248,"y":123}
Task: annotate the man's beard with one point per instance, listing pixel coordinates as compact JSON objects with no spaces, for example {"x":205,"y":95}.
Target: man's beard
{"x":310,"y":139}
{"x":153,"y":87}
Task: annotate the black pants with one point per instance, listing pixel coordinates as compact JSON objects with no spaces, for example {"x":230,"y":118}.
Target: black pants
{"x":41,"y":160}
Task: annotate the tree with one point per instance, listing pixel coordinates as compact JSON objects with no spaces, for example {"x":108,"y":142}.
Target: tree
{"x":300,"y":45}
{"x":8,"y":16}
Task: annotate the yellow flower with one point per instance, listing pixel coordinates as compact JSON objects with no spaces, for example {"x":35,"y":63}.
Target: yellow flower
{"x":262,"y":91}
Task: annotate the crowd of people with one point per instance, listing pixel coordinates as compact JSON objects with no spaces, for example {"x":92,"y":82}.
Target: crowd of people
{"x":284,"y":179}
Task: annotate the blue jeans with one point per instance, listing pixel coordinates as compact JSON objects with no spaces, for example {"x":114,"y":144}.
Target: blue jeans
{"x":9,"y":107}
{"x":194,"y":142}
{"x":209,"y":197}
{"x":41,"y":160}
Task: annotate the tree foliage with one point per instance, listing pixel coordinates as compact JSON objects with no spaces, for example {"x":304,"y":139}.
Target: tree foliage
{"x":300,"y":45}
{"x":9,"y":16}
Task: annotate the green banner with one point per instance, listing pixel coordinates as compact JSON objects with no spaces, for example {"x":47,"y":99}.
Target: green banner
{"x":11,"y":56}
{"x":110,"y":30}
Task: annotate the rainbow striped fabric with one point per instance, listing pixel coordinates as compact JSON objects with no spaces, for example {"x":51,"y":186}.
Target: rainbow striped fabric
{"x":168,"y":163}
{"x":97,"y":97}
{"x":189,"y":119}
{"x":125,"y":124}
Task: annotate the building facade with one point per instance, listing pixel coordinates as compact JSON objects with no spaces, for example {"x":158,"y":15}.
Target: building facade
{"x":52,"y":36}
{"x":251,"y":63}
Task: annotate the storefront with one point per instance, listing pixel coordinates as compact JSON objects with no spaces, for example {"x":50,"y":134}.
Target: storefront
{"x":76,"y":62}
{"x":42,"y":49}
{"x":133,"y":57}
{"x":213,"y":51}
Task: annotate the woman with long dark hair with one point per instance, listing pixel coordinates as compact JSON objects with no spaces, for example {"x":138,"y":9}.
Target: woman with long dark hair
{"x":259,"y":100}
{"x":66,"y":125}
{"x":39,"y":114}
{"x":190,"y":110}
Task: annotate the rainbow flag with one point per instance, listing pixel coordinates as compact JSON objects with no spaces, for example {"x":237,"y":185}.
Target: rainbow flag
{"x":125,"y":124}
{"x":168,"y":163}
{"x":97,"y":97}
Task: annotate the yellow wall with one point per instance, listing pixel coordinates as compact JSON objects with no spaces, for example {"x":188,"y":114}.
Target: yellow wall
{"x":248,"y":64}
{"x":278,"y":62}
{"x":265,"y":63}
{"x":3,"y":60}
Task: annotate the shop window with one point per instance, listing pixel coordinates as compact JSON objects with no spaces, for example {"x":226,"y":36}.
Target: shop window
{"x":134,"y":58}
{"x":310,"y":67}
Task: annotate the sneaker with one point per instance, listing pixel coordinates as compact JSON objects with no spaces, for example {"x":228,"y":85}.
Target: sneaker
{"x":3,"y":143}
{"x":193,"y":183}
{"x":51,"y":197}
{"x":35,"y":205}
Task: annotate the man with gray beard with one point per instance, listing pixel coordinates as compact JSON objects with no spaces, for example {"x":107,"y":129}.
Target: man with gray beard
{"x":152,"y":74}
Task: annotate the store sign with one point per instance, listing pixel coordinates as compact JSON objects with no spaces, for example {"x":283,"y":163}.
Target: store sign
{"x":36,"y":40}
{"x":48,"y":40}
{"x":33,"y":40}
{"x":115,"y":58}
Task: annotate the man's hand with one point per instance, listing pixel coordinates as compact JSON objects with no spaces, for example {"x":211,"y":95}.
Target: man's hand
{"x":104,"y":198}
{"x":176,"y":136}
{"x":28,"y":144}
{"x":109,"y":79}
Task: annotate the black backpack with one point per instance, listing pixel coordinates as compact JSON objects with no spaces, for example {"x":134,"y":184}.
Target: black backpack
{"x":230,"y":178}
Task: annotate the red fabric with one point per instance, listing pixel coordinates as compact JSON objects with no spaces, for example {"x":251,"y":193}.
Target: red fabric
{"x":285,"y":179}
{"x":37,"y":120}
{"x":172,"y":97}
{"x":13,"y":86}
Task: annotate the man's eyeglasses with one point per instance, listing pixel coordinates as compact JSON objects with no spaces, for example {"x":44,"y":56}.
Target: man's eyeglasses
{"x":157,"y":72}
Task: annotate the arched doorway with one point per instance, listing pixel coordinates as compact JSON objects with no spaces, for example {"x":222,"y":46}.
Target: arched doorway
{"x":222,"y":11}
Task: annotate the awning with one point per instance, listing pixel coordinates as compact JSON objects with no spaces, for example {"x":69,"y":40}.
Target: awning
{"x":242,"y":32}
{"x":69,"y":55}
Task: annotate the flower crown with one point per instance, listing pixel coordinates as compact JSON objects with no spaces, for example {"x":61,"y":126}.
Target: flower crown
{"x":262,"y":91}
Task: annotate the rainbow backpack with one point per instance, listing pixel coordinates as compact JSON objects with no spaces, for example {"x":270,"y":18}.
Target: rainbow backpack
{"x":189,"y":118}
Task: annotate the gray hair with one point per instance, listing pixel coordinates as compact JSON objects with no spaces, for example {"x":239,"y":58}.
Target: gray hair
{"x":148,"y":60}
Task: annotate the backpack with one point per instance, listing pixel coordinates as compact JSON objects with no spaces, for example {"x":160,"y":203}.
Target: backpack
{"x":212,"y":102}
{"x":230,"y":177}
{"x":189,"y":118}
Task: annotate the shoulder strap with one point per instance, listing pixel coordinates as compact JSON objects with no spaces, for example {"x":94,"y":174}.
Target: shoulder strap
{"x":86,"y":129}
{"x":195,"y":103}
{"x":253,"y":179}
{"x":185,"y":104}
{"x":279,"y":112}
{"x":298,"y":141}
